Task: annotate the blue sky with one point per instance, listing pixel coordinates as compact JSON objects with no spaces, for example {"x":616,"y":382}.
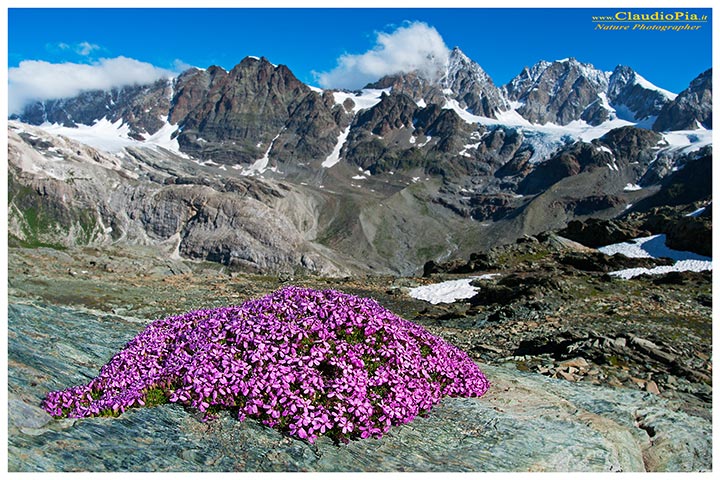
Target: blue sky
{"x":502,"y":41}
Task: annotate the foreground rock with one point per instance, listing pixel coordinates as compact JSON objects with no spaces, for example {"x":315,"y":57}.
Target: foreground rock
{"x":526,"y":421}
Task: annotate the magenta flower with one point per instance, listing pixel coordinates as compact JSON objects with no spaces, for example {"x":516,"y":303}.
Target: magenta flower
{"x":304,"y":361}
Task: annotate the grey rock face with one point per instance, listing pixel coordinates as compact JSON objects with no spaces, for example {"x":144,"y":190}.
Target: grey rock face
{"x":631,"y":96}
{"x":312,"y":130}
{"x":413,"y":85}
{"x":392,"y":113}
{"x":241,"y":112}
{"x":568,"y":162}
{"x":88,"y":199}
{"x":631,"y":144}
{"x":472,"y":86}
{"x":691,"y":109}
{"x":559,"y":92}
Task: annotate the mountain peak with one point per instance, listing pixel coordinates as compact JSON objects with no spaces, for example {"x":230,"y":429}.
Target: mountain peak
{"x":691,"y":109}
{"x":633,"y":97}
{"x":560,"y":92}
{"x":458,"y":55}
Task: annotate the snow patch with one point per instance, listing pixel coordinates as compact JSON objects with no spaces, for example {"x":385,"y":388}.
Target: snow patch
{"x":649,"y":247}
{"x":603,"y":148}
{"x":427,"y":140}
{"x":632,"y":187}
{"x":163,"y":138}
{"x":605,"y":103}
{"x":450,"y":291}
{"x":261,"y":164}
{"x":366,"y":98}
{"x":452,"y":104}
{"x":334,"y":156}
{"x":445,"y":292}
{"x":655,"y":247}
{"x":687,"y":141}
{"x":697,"y":212}
{"x":680,"y":266}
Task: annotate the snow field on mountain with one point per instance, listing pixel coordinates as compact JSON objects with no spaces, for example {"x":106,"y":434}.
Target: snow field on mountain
{"x":334,"y":156}
{"x":640,"y":80}
{"x":112,"y":137}
{"x":261,"y":164}
{"x":696,"y":213}
{"x":366,"y":98}
{"x":688,"y":141}
{"x":655,"y":246}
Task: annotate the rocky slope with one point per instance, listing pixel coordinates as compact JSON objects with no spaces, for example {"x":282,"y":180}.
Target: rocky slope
{"x":379,"y":218}
{"x":64,"y":194}
{"x":585,"y":376}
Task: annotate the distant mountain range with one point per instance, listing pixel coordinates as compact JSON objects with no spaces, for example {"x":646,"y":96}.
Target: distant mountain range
{"x":412,"y":168}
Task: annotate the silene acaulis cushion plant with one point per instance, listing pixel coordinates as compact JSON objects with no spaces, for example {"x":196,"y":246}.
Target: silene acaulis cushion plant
{"x":304,"y":361}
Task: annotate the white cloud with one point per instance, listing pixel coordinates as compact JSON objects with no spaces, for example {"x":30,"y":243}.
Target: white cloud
{"x":37,"y":80}
{"x":416,"y":46}
{"x":86,"y":48}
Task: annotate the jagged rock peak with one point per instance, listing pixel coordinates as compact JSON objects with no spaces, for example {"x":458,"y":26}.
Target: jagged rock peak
{"x":633,"y":97}
{"x":462,"y":80}
{"x":691,"y":109}
{"x":471,"y":86}
{"x":623,"y":76}
{"x":560,"y":92}
{"x":459,"y":65}
{"x":545,"y":73}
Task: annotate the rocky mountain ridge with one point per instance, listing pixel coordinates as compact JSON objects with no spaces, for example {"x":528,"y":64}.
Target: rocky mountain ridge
{"x":387,"y":178}
{"x":256,"y":92}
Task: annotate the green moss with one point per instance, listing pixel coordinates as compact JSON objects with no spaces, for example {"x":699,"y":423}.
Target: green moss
{"x":109,"y":413}
{"x":155,"y":397}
